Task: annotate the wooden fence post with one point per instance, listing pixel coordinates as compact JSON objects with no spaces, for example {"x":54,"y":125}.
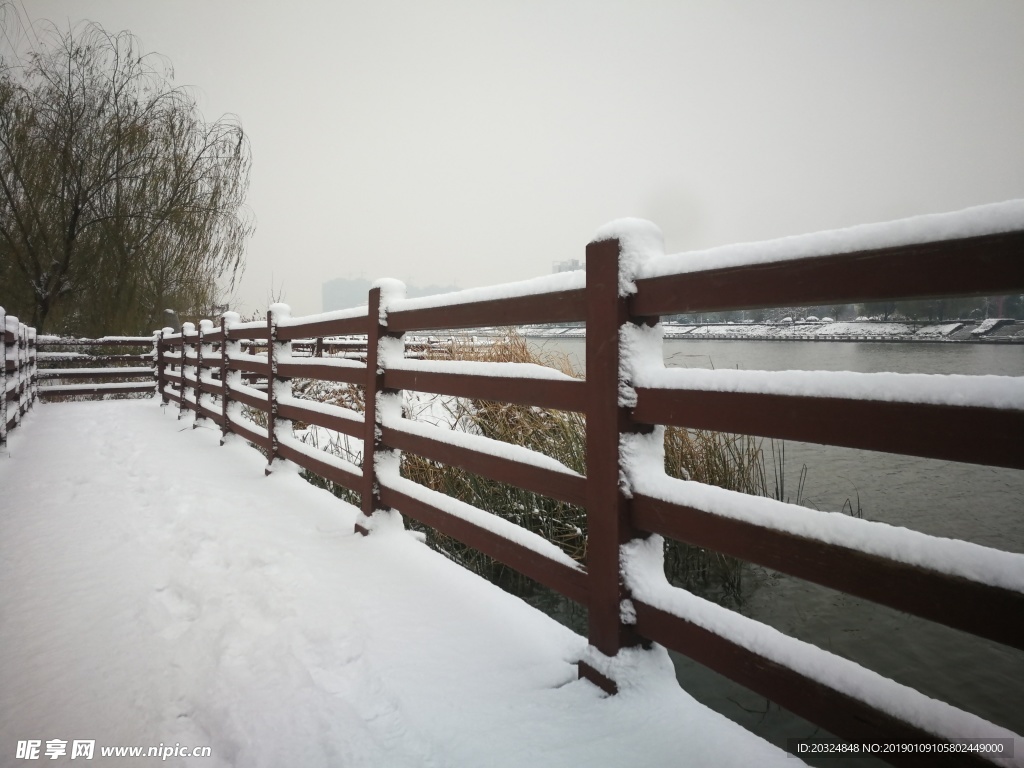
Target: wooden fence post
{"x":19,"y":370}
{"x":158,"y":358}
{"x":25,"y":401}
{"x":277,"y":387}
{"x":373,"y":449}
{"x":13,"y":359}
{"x":608,"y":507}
{"x":183,"y":404}
{"x":31,"y":353}
{"x":205,"y":326}
{"x":170,"y":347}
{"x":227,"y":347}
{"x":271,"y":407}
{"x":16,"y":349}
{"x":199,"y":375}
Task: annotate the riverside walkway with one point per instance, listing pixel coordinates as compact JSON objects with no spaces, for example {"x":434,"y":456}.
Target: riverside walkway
{"x":160,"y":591}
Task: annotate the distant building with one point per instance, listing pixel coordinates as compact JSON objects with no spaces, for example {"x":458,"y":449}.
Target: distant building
{"x":568,"y":266}
{"x":349,"y":292}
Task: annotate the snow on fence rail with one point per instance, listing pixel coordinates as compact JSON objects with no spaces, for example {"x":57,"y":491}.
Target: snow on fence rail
{"x":17,"y":372}
{"x":626,"y":396}
{"x":112,"y":365}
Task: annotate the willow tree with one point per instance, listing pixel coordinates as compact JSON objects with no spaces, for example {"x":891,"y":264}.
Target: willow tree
{"x":118,"y":199}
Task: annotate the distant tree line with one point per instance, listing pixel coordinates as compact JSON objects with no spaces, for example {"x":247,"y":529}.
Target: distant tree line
{"x":932,"y":310}
{"x":117,"y":199}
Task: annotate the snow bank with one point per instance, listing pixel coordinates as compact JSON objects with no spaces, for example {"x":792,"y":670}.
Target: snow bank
{"x":940,"y":329}
{"x":175,"y":594}
{"x":990,"y":325}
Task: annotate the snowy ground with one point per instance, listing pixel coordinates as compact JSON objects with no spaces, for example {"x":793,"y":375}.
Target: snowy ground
{"x":158,"y":589}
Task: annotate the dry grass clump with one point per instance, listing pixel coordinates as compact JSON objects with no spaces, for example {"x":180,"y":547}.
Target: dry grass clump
{"x":558,"y":434}
{"x":350,"y":396}
{"x":728,"y":461}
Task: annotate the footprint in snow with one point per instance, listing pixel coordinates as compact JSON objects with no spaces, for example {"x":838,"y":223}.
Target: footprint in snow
{"x":174,"y":611}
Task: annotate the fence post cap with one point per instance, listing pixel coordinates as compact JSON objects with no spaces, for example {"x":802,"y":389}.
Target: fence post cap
{"x":391,"y":290}
{"x":639,"y":240}
{"x":636,"y":232}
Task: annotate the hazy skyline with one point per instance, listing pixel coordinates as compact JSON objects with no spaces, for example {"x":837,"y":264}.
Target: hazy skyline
{"x":478,"y":143}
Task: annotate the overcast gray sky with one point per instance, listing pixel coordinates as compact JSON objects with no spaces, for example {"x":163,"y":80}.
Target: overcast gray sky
{"x":478,"y":141}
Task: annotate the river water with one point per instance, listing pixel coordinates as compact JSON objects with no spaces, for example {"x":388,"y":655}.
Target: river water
{"x":983,"y":505}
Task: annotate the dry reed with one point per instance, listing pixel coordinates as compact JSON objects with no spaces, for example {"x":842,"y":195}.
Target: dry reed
{"x":728,"y":461}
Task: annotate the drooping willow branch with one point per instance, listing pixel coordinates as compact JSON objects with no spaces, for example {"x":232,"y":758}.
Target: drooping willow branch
{"x":117,"y":199}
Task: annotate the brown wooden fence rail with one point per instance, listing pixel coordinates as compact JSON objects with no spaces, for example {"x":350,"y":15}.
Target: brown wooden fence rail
{"x":113,"y":365}
{"x":625,"y":398}
{"x":49,"y":367}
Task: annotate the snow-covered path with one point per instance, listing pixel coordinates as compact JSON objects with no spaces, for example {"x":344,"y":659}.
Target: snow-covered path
{"x":156,"y":588}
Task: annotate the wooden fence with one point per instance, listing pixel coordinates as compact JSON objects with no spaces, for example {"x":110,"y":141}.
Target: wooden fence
{"x":113,"y":365}
{"x":625,"y":397}
{"x":17,"y":372}
{"x":58,"y":367}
